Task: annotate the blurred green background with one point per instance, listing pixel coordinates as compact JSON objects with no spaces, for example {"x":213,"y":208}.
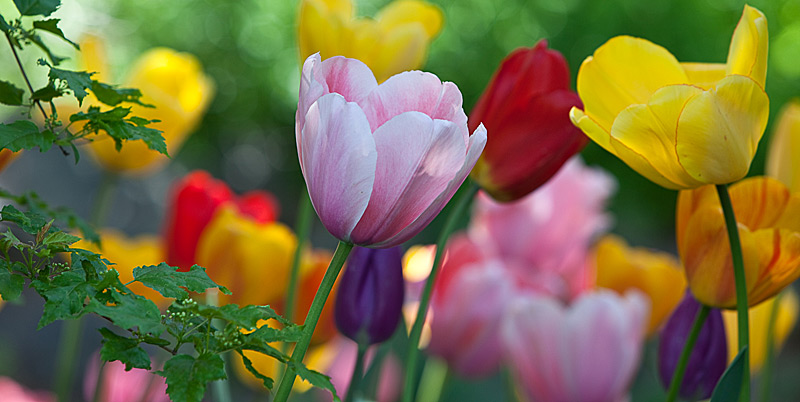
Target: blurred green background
{"x":246,"y":138}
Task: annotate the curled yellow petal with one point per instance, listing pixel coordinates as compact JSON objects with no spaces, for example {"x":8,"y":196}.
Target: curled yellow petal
{"x":704,"y":75}
{"x":783,"y":160}
{"x":748,"y":51}
{"x":405,"y":12}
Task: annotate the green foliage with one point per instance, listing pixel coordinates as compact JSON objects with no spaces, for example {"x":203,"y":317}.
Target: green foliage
{"x":10,"y":284}
{"x":188,"y":376}
{"x":169,"y":282}
{"x":23,"y":134}
{"x":10,"y":94}
{"x":37,"y":7}
{"x":76,"y":81}
{"x":116,"y":124}
{"x":51,"y":26}
{"x":113,"y":96}
{"x":124,"y":349}
{"x":39,"y":211}
{"x":730,"y":384}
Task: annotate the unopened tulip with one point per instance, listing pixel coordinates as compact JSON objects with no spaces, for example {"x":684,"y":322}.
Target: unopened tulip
{"x":768,"y":218}
{"x":656,"y":274}
{"x":13,"y":392}
{"x":785,"y":320}
{"x":370,"y":299}
{"x":587,"y":351}
{"x":709,"y":356}
{"x":525,"y":109}
{"x":119,"y":385}
{"x":783,"y":161}
{"x":395,"y":40}
{"x":681,"y":125}
{"x":250,"y":258}
{"x":380,"y":161}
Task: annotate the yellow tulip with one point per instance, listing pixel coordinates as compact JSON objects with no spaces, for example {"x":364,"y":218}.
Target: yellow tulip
{"x":128,"y":253}
{"x":785,"y":320}
{"x":171,"y":81}
{"x":681,"y":125}
{"x":783,"y":161}
{"x":395,"y":40}
{"x":657,"y":274}
{"x":768,"y":218}
{"x":251,"y":259}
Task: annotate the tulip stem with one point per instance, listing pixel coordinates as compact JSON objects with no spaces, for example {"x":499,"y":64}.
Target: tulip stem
{"x":416,"y":331}
{"x":302,"y":227}
{"x":683,"y":361}
{"x":358,"y":373}
{"x":67,"y":357}
{"x":742,"y":306}
{"x":339,"y":257}
{"x":769,"y":360}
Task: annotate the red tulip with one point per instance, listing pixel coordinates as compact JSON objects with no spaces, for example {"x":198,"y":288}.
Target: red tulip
{"x":525,"y":110}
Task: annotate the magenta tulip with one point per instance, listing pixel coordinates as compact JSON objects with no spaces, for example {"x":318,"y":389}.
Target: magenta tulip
{"x":380,"y":161}
{"x":588,"y":351}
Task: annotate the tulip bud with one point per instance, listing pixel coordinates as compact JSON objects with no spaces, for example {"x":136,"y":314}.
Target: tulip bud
{"x":371,"y":292}
{"x":709,"y":356}
{"x":525,"y":110}
{"x":783,"y":159}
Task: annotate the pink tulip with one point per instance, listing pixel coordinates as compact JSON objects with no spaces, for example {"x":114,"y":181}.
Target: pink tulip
{"x":586,"y":352}
{"x":544,"y":237}
{"x":468,"y":306}
{"x":119,"y":385}
{"x":380,"y":161}
{"x":10,"y":391}
{"x":343,"y":362}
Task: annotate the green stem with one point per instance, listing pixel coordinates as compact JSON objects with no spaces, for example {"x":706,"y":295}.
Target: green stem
{"x":416,"y":331}
{"x":769,"y":360}
{"x":98,"y":386}
{"x":358,"y":373}
{"x":67,"y":357}
{"x":683,"y":361}
{"x":104,"y":198}
{"x":434,"y":377}
{"x":339,"y":257}
{"x":742,"y":307}
{"x":302,"y":227}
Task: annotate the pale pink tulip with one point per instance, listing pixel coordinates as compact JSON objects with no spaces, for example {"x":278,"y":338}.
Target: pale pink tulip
{"x":10,"y":391}
{"x":119,"y":385}
{"x":380,"y":161}
{"x":588,"y":351}
{"x":544,"y":237}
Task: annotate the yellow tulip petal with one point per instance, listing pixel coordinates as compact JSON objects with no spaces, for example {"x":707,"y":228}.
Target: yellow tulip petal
{"x":649,"y":130}
{"x":748,"y":51}
{"x":783,"y":160}
{"x":790,"y":219}
{"x":592,"y":130}
{"x":624,"y":71}
{"x":93,"y":57}
{"x":404,"y":48}
{"x":320,"y":30}
{"x":726,"y":122}
{"x":759,"y":202}
{"x":690,"y":201}
{"x":403,"y":12}
{"x":779,"y":262}
{"x":704,"y":75}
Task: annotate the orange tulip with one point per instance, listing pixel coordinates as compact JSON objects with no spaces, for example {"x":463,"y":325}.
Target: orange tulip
{"x":768,"y":216}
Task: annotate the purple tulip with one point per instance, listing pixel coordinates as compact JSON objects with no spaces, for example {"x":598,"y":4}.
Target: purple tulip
{"x":370,"y":297}
{"x":709,"y":356}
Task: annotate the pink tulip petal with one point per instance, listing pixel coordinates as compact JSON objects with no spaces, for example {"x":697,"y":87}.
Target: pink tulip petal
{"x":476,"y":143}
{"x":339,"y":156}
{"x":417,"y":158}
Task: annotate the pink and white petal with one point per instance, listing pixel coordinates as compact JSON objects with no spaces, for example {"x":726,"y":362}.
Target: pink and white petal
{"x":477,"y":141}
{"x":339,"y":156}
{"x":417,"y":158}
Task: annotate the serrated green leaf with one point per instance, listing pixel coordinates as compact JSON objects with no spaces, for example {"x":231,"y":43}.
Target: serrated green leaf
{"x":267,"y":334}
{"x":37,"y":40}
{"x":64,"y":296}
{"x":10,"y":94}
{"x":37,"y":7}
{"x":47,"y":93}
{"x":316,"y":378}
{"x":60,"y":239}
{"x":122,"y":128}
{"x":5,"y":26}
{"x":11,"y":284}
{"x":155,"y":341}
{"x":170,"y":283}
{"x":730,"y":384}
{"x":51,"y":26}
{"x":23,"y":134}
{"x":128,"y":312}
{"x":113,"y":96}
{"x":30,"y":222}
{"x":246,"y":317}
{"x":268,"y":382}
{"x":9,"y":240}
{"x":187,"y":377}
{"x":77,"y":81}
{"x":126,"y":350}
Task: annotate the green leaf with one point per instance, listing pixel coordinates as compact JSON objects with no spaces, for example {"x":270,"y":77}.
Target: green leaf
{"x":268,"y":382}
{"x":64,"y":296}
{"x":30,"y":222}
{"x":187,"y":377}
{"x":23,"y":134}
{"x":60,"y":239}
{"x":113,"y":96}
{"x":77,"y":81}
{"x":169,"y":282}
{"x":5,"y":26}
{"x":11,"y":284}
{"x":51,"y":26}
{"x":266,"y":334}
{"x":37,"y":40}
{"x":730,"y":384}
{"x":246,"y":317}
{"x":126,"y":350}
{"x":128,"y":311}
{"x":120,"y":128}
{"x":47,"y":93}
{"x":37,"y":7}
{"x":316,"y":378}
{"x":10,"y":94}
{"x":9,"y":240}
